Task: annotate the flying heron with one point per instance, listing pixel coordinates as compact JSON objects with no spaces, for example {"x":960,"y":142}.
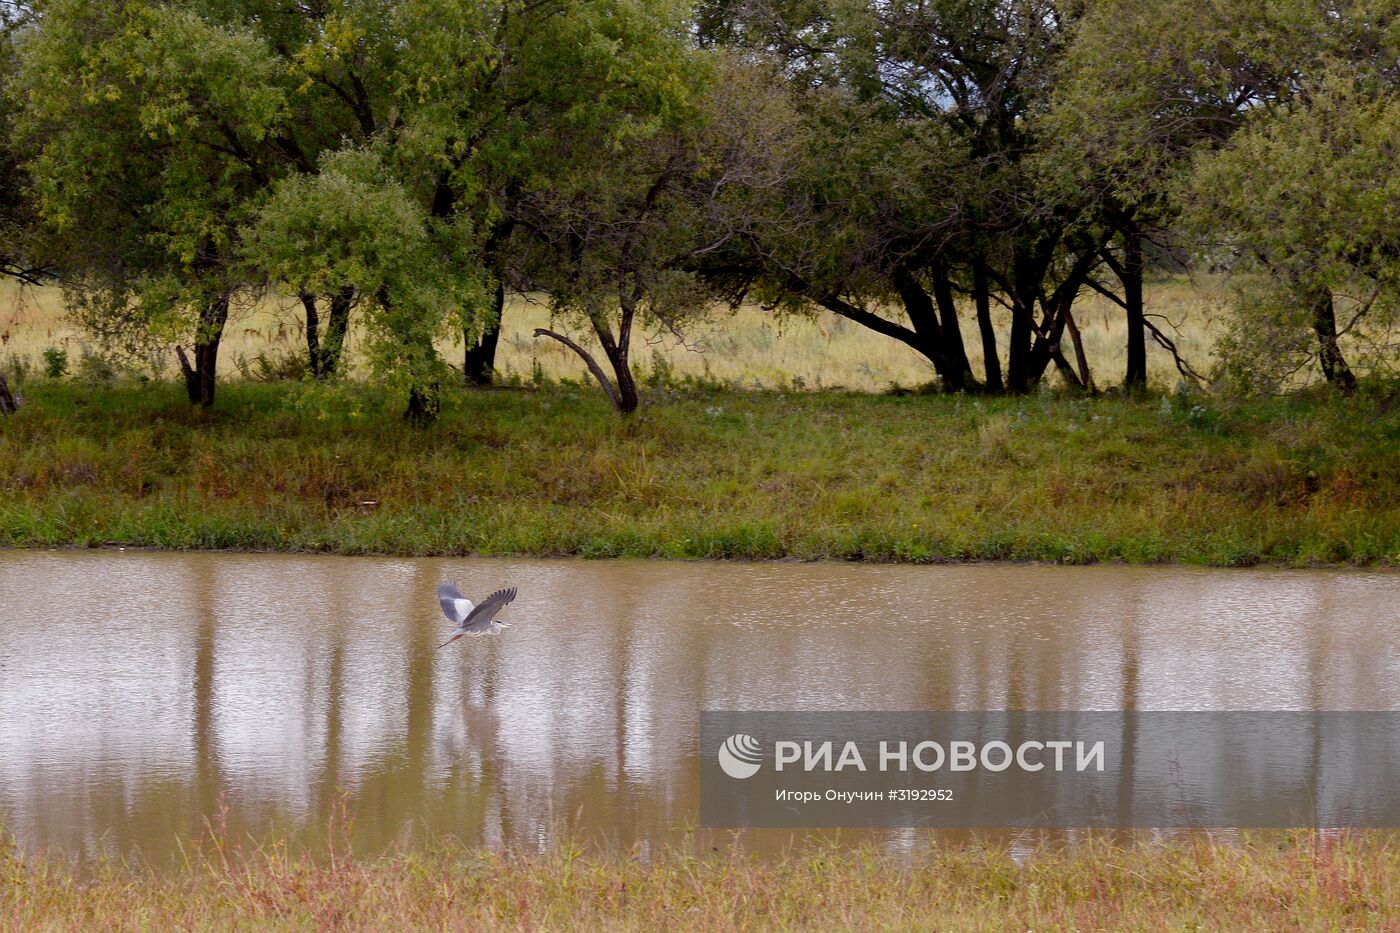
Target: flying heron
{"x":480,"y":620}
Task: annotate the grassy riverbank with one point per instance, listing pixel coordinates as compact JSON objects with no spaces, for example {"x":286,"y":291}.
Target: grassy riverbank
{"x":707,"y":472}
{"x":1301,"y":883}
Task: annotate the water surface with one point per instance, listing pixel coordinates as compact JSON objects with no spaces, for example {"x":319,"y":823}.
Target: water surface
{"x":146,"y":696}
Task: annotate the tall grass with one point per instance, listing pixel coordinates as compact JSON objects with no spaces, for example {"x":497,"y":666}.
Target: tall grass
{"x":708,"y":473}
{"x":1298,"y":882}
{"x":747,"y":347}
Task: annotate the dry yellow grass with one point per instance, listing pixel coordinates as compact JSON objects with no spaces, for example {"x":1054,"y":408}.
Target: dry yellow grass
{"x":1305,"y":882}
{"x":748,"y":347}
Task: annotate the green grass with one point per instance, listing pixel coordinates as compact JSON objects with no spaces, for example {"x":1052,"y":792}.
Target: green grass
{"x":1295,"y":882}
{"x":708,"y":473}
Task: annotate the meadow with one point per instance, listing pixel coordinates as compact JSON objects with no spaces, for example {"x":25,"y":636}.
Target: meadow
{"x":742,"y":348}
{"x":761,"y":438}
{"x":706,"y":472}
{"x":1296,"y":882}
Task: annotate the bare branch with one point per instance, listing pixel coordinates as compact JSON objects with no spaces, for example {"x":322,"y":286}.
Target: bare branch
{"x":593,"y":366}
{"x":1166,"y":343}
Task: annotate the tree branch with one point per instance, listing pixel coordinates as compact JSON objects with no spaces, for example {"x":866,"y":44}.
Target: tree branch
{"x":1166,"y":343}
{"x":22,"y":274}
{"x":1106,"y":292}
{"x":593,"y":366}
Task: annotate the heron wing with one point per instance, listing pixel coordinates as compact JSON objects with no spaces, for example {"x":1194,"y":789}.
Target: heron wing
{"x":479,"y":621}
{"x":454,"y":605}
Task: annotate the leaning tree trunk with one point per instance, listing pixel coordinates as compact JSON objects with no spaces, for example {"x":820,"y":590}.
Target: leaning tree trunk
{"x":1045,"y":349}
{"x":200,"y":378}
{"x":603,"y":381}
{"x":1081,"y":359}
{"x":923,"y":317}
{"x":621,"y":389}
{"x":1329,"y":353}
{"x":480,"y":362}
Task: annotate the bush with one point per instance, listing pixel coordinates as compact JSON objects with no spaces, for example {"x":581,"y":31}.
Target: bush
{"x":55,"y":362}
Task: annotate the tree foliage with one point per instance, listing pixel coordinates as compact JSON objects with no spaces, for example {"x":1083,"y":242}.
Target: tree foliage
{"x":618,"y":241}
{"x":18,"y":257}
{"x":1304,"y":199}
{"x":397,"y":165}
{"x":154,"y":134}
{"x":1244,"y":118}
{"x":921,"y":119}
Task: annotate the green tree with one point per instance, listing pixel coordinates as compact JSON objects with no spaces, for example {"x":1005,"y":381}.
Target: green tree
{"x":491,"y":103}
{"x":921,"y":117}
{"x":1146,"y":94}
{"x":352,"y":229}
{"x":1305,"y":196}
{"x":1142,"y":87}
{"x":18,"y":259}
{"x":617,"y":240}
{"x":152,"y":133}
{"x":182,"y":136}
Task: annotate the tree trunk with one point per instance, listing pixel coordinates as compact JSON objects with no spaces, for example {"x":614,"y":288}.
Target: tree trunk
{"x":336,"y":329}
{"x":423,"y":404}
{"x":1329,"y":354}
{"x":423,"y":396}
{"x":1018,"y":377}
{"x":608,"y":388}
{"x":201,"y":377}
{"x":1086,"y":378}
{"x":313,"y":333}
{"x":8,"y":405}
{"x":621,"y":390}
{"x":618,"y":350}
{"x":1027,"y":274}
{"x":954,"y":351}
{"x":1046,"y":347}
{"x":982,"y":297}
{"x":627,"y":398}
{"x":324,"y":356}
{"x":480,"y":362}
{"x":1135,"y":379}
{"x":928,"y":333}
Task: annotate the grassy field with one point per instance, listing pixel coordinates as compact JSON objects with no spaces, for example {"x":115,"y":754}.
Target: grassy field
{"x":1300,"y":882}
{"x":707,"y":473}
{"x":745,"y":348}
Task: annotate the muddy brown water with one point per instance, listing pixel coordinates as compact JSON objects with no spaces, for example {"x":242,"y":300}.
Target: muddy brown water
{"x":147,"y":697}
